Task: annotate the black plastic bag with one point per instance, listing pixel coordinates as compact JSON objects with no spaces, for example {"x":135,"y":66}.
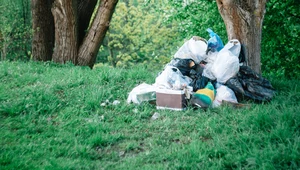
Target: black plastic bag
{"x":199,"y":82}
{"x":188,"y":68}
{"x":249,"y":85}
{"x":242,"y":55}
{"x":184,"y":65}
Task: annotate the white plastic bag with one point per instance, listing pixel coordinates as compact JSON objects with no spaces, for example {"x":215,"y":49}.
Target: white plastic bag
{"x":194,"y":49}
{"x":226,"y":64}
{"x":234,"y":46}
{"x":172,"y":78}
{"x":224,"y":94}
{"x":211,"y":57}
{"x":141,"y":93}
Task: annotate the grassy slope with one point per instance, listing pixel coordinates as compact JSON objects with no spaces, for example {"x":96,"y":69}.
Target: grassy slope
{"x":51,"y":118}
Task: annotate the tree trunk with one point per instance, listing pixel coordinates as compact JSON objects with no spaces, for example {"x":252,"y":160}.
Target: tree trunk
{"x":70,"y":21}
{"x":94,"y":38}
{"x":43,"y":27}
{"x":113,"y":59}
{"x":243,"y":20}
{"x":66,"y":44}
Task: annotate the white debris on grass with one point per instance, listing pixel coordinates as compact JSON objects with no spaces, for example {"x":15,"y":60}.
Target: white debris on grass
{"x":135,"y":110}
{"x":116,"y":102}
{"x":155,"y":116}
{"x":106,"y":103}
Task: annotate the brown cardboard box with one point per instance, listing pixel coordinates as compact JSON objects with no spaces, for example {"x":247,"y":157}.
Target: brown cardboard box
{"x":171,"y":99}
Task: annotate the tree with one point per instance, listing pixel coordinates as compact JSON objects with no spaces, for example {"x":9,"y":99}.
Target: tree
{"x":243,"y":20}
{"x":74,"y":40}
{"x":138,"y":35}
{"x":193,"y":17}
{"x":15,"y":34}
{"x":280,"y":39}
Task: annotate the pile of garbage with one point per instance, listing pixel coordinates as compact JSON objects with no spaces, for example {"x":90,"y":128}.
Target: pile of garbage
{"x":209,"y":74}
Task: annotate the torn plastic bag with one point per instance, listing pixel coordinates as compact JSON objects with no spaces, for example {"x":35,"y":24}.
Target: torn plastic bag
{"x":172,"y":78}
{"x":234,"y":46}
{"x":141,"y":93}
{"x":214,"y":43}
{"x":194,"y":49}
{"x":224,"y":94}
{"x":250,"y":85}
{"x":226,"y":64}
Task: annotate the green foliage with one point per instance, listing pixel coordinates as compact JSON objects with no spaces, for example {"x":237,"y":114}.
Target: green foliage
{"x":15,"y":30}
{"x":52,"y":118}
{"x":194,"y":17}
{"x":280,"y":43}
{"x":137,"y":35}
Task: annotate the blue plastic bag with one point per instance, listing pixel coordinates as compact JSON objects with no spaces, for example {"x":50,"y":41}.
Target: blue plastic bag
{"x":214,"y":43}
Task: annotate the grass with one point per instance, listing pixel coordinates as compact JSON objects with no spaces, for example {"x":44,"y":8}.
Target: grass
{"x":51,"y":118}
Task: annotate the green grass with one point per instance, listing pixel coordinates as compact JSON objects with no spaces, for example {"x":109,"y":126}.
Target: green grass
{"x":51,"y":118}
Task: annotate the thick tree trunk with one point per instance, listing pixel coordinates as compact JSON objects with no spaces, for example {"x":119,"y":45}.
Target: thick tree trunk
{"x":93,"y":40}
{"x":43,"y":27}
{"x":66,"y":40}
{"x":243,"y":20}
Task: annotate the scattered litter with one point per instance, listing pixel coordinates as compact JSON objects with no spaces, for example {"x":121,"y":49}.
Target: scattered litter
{"x":155,"y":116}
{"x":95,"y":119}
{"x":135,"y":110}
{"x":116,"y":102}
{"x":106,"y":103}
{"x":121,"y":153}
{"x":103,"y":104}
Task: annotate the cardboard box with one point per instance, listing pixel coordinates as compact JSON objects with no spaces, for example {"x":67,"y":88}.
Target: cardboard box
{"x":171,"y":99}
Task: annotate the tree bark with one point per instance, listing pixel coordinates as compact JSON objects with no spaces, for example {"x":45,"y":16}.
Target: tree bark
{"x":43,"y":27}
{"x":94,"y":38}
{"x":66,"y":44}
{"x":243,"y":20}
